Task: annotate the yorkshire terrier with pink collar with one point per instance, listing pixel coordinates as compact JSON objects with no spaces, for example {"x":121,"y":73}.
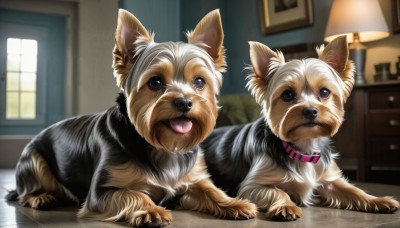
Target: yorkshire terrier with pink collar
{"x":284,"y":159}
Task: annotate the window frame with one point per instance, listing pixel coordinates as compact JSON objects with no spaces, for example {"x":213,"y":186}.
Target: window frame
{"x":25,"y":32}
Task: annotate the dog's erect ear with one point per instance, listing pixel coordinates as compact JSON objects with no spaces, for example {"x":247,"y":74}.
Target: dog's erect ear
{"x":129,"y":30}
{"x":336,"y":54}
{"x":261,"y":57}
{"x":209,"y":35}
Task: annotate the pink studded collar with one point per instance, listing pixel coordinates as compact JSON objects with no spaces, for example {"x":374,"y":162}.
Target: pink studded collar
{"x":294,"y":154}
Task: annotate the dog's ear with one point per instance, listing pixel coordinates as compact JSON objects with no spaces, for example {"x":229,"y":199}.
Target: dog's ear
{"x":209,"y":35}
{"x":336,"y":54}
{"x":129,"y":31}
{"x":261,"y":58}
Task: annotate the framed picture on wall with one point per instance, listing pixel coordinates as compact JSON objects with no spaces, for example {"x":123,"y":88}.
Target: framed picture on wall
{"x":396,"y":16}
{"x":282,"y":15}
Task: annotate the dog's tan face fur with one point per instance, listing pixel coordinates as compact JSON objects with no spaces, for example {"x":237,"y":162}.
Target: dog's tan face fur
{"x":166,"y":71}
{"x":285,"y":90}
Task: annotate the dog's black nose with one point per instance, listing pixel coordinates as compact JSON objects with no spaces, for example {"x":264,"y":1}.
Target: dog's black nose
{"x":310,"y":113}
{"x":183,"y":104}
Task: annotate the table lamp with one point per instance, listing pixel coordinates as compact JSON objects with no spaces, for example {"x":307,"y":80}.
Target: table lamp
{"x":361,"y":21}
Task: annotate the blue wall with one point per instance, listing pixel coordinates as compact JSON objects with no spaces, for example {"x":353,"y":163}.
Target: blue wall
{"x":241,"y":22}
{"x":159,"y":16}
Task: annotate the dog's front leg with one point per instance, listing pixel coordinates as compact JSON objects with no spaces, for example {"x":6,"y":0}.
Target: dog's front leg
{"x":125,"y":205}
{"x":273,"y":200}
{"x":338,"y":193}
{"x":204,"y":196}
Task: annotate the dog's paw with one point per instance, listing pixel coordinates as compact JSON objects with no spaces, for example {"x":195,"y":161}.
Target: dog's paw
{"x":151,"y":217}
{"x":284,"y":212}
{"x":383,"y":205}
{"x":239,"y":209}
{"x":43,"y":201}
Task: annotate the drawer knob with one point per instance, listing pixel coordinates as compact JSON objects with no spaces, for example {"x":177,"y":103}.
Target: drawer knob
{"x":394,"y":123}
{"x":393,"y":147}
{"x":391,"y":101}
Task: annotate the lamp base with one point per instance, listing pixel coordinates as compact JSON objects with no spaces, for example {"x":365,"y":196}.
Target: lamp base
{"x":359,"y":78}
{"x":358,"y":56}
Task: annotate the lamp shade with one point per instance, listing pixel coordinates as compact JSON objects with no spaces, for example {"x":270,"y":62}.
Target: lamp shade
{"x":364,"y":17}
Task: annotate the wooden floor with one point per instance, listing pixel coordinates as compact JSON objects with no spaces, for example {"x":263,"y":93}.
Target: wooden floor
{"x":13,"y":215}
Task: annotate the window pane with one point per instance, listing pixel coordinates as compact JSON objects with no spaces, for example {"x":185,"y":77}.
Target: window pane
{"x":12,"y":82}
{"x":29,"y":47}
{"x":28,"y":82}
{"x":13,"y":62}
{"x":12,"y":108}
{"x":28,"y":63}
{"x":21,"y":78}
{"x":28,"y":105}
{"x":13,"y":46}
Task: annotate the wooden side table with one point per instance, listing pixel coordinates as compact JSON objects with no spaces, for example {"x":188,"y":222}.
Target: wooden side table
{"x":369,"y":138}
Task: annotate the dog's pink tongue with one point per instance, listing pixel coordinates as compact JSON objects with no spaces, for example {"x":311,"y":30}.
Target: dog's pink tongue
{"x":181,"y":126}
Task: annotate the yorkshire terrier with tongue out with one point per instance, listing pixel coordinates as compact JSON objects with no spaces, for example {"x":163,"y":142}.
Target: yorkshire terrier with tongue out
{"x":126,"y":162}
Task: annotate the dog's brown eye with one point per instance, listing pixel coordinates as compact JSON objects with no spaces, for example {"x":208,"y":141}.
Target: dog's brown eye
{"x":288,"y":95}
{"x":324,"y":93}
{"x":155,"y":83}
{"x":199,"y":83}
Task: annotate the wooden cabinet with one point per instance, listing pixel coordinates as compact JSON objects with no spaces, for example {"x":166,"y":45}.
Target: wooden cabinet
{"x":369,"y":139}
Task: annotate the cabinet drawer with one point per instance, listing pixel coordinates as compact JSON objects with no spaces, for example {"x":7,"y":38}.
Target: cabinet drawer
{"x":384,"y":99}
{"x":385,"y":151}
{"x":384,"y":123}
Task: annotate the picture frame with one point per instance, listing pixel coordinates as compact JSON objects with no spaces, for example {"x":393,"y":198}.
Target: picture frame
{"x":282,"y":15}
{"x":396,"y":16}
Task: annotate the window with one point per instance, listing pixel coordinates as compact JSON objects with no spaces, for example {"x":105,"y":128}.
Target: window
{"x":21,"y":79}
{"x":32,"y":71}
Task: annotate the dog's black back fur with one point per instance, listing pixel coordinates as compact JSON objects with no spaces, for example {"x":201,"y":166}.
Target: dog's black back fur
{"x":230,"y":152}
{"x":86,"y":143}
